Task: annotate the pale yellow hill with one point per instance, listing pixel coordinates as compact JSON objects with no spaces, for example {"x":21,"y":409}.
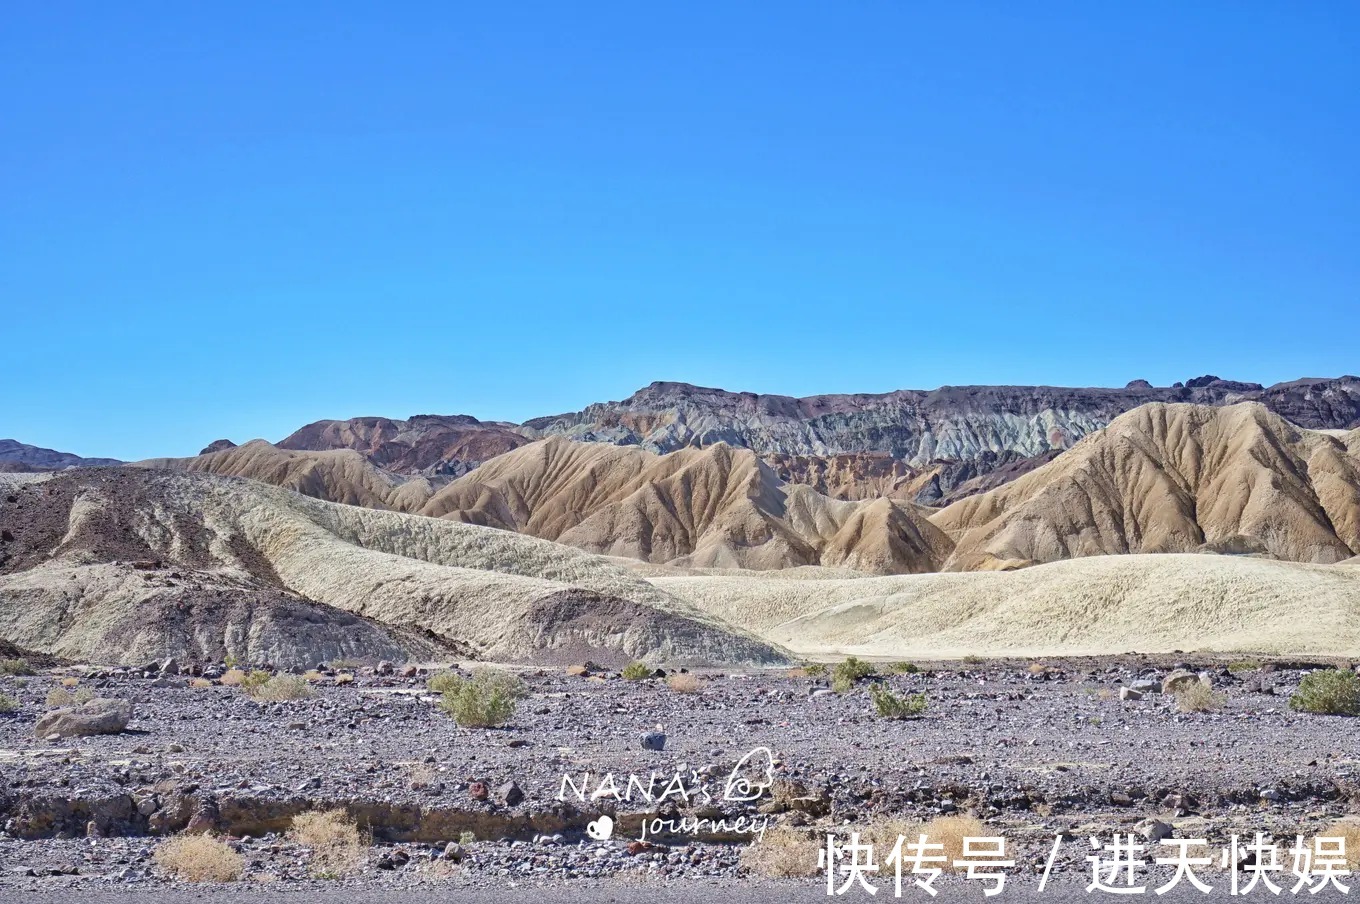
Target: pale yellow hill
{"x":132,"y":563}
{"x":1173,"y":478}
{"x":714,"y":507}
{"x":1098,"y":605}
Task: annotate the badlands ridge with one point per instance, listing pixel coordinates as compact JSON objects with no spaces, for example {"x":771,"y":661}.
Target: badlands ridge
{"x":1175,"y":526}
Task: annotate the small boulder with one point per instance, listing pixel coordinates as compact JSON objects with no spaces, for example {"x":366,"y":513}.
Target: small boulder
{"x":1154,"y":830}
{"x":479,"y":791}
{"x":654,"y":740}
{"x":510,"y":794}
{"x":1128,"y":693}
{"x":1179,"y":679}
{"x":101,"y":715}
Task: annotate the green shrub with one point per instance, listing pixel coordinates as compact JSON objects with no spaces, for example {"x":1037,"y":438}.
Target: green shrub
{"x":1197,"y":697}
{"x":846,"y":674}
{"x":281,"y":688}
{"x":16,"y":667}
{"x":903,"y":668}
{"x":637,"y":670}
{"x":891,"y":706}
{"x":442,"y":682}
{"x":1244,"y":665}
{"x":486,"y":700}
{"x":8,"y":704}
{"x":254,"y":680}
{"x":972,"y":659}
{"x":1332,"y":692}
{"x":814,"y":669}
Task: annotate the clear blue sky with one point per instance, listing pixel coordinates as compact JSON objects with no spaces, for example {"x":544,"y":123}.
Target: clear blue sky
{"x":231,"y":219}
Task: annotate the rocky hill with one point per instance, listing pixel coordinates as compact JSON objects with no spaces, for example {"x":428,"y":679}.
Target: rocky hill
{"x":17,"y":457}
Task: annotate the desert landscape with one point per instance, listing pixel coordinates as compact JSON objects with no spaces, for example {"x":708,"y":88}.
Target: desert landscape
{"x":384,"y":654}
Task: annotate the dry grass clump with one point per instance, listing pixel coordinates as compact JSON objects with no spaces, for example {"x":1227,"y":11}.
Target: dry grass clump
{"x":1197,"y":697}
{"x":948,"y":831}
{"x":782,"y":853}
{"x":8,"y":704}
{"x":200,"y":682}
{"x":1330,"y":692}
{"x":685,"y":683}
{"x":903,"y":668}
{"x":486,"y":700}
{"x":344,"y":678}
{"x":334,"y":839}
{"x":1038,"y":668}
{"x":16,"y":667}
{"x":199,"y":858}
{"x":232,"y":677}
{"x":281,"y":688}
{"x":70,"y":682}
{"x":1349,"y":830}
{"x":60,"y":696}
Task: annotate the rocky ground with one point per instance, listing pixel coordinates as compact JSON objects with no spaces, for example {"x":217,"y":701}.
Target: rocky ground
{"x":1035,"y":752}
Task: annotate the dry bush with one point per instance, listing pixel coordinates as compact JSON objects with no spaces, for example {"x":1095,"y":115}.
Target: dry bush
{"x":948,"y":831}
{"x":8,"y":704}
{"x":1037,"y":668}
{"x":16,"y":667}
{"x":282,"y":688}
{"x":232,"y":677}
{"x":685,"y":683}
{"x":334,"y":839}
{"x":344,"y":678}
{"x":783,"y":853}
{"x":1197,"y":697}
{"x":200,"y":682}
{"x":311,"y":676}
{"x":1348,"y":829}
{"x":60,"y":696}
{"x":70,"y":682}
{"x":199,"y":858}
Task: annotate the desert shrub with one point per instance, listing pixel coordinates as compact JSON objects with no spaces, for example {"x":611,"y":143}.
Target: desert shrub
{"x":8,"y":704}
{"x":200,"y":682}
{"x":232,"y":677}
{"x":254,"y":680}
{"x":684,"y":683}
{"x":1244,"y":665}
{"x":199,"y":858}
{"x":1197,"y":697}
{"x":443,"y":681}
{"x":972,"y":659}
{"x":1348,"y":829}
{"x":903,"y":668}
{"x":343,"y":665}
{"x":60,"y":696}
{"x":344,"y":678}
{"x":1332,"y":692}
{"x":814,"y":669}
{"x":69,"y":682}
{"x":312,"y":676}
{"x":280,"y":688}
{"x":486,"y":700}
{"x":16,"y":667}
{"x":891,"y":706}
{"x":334,"y":839}
{"x":1038,"y":668}
{"x":782,"y":853}
{"x":844,"y":676}
{"x":637,"y":670}
{"x":465,"y":838}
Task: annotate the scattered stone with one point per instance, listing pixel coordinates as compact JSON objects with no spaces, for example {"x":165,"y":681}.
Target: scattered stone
{"x":1128,"y":693}
{"x":479,"y":791}
{"x":1154,"y":830}
{"x":510,"y":794}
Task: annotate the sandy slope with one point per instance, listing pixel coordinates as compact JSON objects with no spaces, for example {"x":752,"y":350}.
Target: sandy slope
{"x":1106,"y":604}
{"x":237,"y":566}
{"x":1173,"y":478}
{"x":715,"y":507}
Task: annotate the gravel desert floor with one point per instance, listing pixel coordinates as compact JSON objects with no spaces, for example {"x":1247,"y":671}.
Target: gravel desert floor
{"x":1043,"y":754}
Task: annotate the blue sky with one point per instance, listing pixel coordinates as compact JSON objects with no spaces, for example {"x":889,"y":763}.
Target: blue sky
{"x":230,"y":221}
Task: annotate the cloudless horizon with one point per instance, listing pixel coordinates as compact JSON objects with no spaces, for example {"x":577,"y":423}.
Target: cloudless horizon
{"x":232,"y":221}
